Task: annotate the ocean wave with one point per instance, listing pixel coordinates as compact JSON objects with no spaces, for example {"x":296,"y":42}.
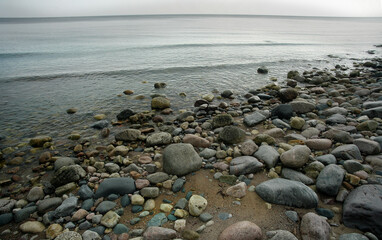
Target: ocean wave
{"x":23,"y":54}
{"x":144,"y":71}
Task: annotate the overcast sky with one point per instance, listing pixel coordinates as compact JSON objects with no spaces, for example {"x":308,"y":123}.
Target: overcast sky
{"x":58,"y":8}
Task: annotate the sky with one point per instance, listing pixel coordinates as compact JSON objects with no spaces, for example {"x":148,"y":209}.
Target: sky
{"x":61,"y":8}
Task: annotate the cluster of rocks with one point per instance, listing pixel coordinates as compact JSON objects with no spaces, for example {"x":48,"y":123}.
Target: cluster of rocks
{"x":318,"y":138}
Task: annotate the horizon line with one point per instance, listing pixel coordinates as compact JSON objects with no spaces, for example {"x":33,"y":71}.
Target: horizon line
{"x":191,"y":14}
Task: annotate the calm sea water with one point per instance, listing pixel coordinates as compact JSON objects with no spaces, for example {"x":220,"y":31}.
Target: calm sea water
{"x":49,"y":65}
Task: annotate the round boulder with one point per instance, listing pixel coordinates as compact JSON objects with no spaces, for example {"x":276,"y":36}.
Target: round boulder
{"x":180,"y":159}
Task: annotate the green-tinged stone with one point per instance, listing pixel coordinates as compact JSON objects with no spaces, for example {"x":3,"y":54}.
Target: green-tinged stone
{"x":158,"y":220}
{"x":229,"y":179}
{"x":136,"y":209}
{"x":134,"y":221}
{"x":171,"y":217}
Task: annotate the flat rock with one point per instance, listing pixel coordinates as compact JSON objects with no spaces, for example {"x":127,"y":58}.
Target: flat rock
{"x":48,"y":204}
{"x":302,"y":106}
{"x":32,"y":227}
{"x":367,"y":147}
{"x":252,"y":119}
{"x":159,"y":138}
{"x":158,"y":177}
{"x":327,"y":159}
{"x":362,"y":209}
{"x":39,"y":141}
{"x":207,"y":153}
{"x":347,"y":152}
{"x":245,"y":165}
{"x":159,"y":233}
{"x":6,"y":205}
{"x":314,"y":227}
{"x":243,"y":230}
{"x":287,"y":192}
{"x":121,"y":186}
{"x":296,"y":157}
{"x":66,"y":207}
{"x":319,"y":144}
{"x":296,"y":176}
{"x":173,"y":164}
{"x":268,"y":155}
{"x":330,"y":179}
{"x":105,"y":206}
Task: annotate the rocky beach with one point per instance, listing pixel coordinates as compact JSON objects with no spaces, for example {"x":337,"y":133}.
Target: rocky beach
{"x":299,"y":158}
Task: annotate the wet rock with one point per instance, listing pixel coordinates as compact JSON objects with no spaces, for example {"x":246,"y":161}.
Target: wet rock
{"x":319,"y":144}
{"x":363,"y":209}
{"x":53,"y":231}
{"x":288,"y":94}
{"x":243,"y":230}
{"x":160,"y":85}
{"x":48,"y":204}
{"x":120,"y":150}
{"x":32,"y":227}
{"x":159,"y":233}
{"x":173,"y":164}
{"x":71,"y":110}
{"x":262,"y":70}
{"x":160,"y":138}
{"x":244,"y":165}
{"x":39,"y":141}
{"x":6,"y":218}
{"x":373,"y":112}
{"x":24,"y":213}
{"x":282,"y":111}
{"x":347,"y":151}
{"x":232,"y":134}
{"x":314,"y":227}
{"x":222,"y":120}
{"x":36,"y":193}
{"x":196,"y":205}
{"x":196,"y":141}
{"x":119,"y":186}
{"x":226,"y":93}
{"x":66,"y":207}
{"x":160,"y":103}
{"x":125,"y":114}
{"x":100,"y":124}
{"x":302,"y":107}
{"x":280,"y":235}
{"x":237,"y":191}
{"x":296,"y":157}
{"x":128,"y":135}
{"x":367,"y":146}
{"x":330,"y":179}
{"x":268,"y":155}
{"x":63,"y":161}
{"x":296,"y":176}
{"x":67,"y":174}
{"x":252,"y":119}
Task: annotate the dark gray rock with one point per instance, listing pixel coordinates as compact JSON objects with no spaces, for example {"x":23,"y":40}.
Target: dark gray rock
{"x":280,"y":124}
{"x":67,"y":174}
{"x":352,"y":166}
{"x":226,"y":93}
{"x":105,"y":206}
{"x":282,"y":111}
{"x":245,"y":165}
{"x":330,"y":179}
{"x":363,"y":209}
{"x":178,"y":185}
{"x":262,"y":70}
{"x":119,"y":186}
{"x":100,"y":124}
{"x":287,"y":192}
{"x":6,"y":205}
{"x":48,"y":204}
{"x":128,"y":135}
{"x":87,"y":204}
{"x":222,"y":120}
{"x":367,"y":147}
{"x":296,"y":176}
{"x":125,"y":114}
{"x":327,"y":159}
{"x":373,"y":112}
{"x":157,"y":177}
{"x":24,"y":213}
{"x":353,"y":236}
{"x":232,"y":134}
{"x":347,"y":152}
{"x":6,"y":218}
{"x":120,"y":228}
{"x":336,"y":119}
{"x":66,"y":207}
{"x":252,"y":119}
{"x":302,"y":107}
{"x":180,"y":159}
{"x":85,"y":192}
{"x":268,"y":155}
{"x":63,"y":161}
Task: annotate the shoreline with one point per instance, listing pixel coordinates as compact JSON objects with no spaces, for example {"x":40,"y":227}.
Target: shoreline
{"x":324,"y":110}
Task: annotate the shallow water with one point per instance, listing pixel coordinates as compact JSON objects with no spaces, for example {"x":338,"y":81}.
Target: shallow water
{"x":50,"y":65}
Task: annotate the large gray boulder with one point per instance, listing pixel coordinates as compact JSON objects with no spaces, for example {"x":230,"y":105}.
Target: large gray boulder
{"x":267,"y":154}
{"x":296,"y":157}
{"x":314,"y":227}
{"x":244,"y":165}
{"x":180,"y":159}
{"x":330,"y":179}
{"x":287,"y":192}
{"x":347,"y":152}
{"x":363,"y":209}
{"x":119,"y":186}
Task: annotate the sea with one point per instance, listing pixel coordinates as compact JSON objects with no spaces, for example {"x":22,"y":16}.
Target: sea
{"x":48,"y":65}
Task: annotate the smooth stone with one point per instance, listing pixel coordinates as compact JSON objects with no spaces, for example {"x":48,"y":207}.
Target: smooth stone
{"x":67,"y":174}
{"x":181,"y":204}
{"x":150,"y":192}
{"x":229,"y":179}
{"x":196,"y":141}
{"x":296,"y":157}
{"x":53,"y":231}
{"x":128,"y":135}
{"x":314,"y":227}
{"x":280,"y":124}
{"x":248,"y":148}
{"x":373,"y":112}
{"x":160,"y":103}
{"x":157,"y":177}
{"x":319,"y":144}
{"x":87,"y":204}
{"x":24,"y":213}
{"x":85,"y":192}
{"x":178,"y":185}
{"x":32,"y":227}
{"x":39,"y":141}
{"x":268,"y":155}
{"x":287,"y":192}
{"x":369,"y":125}
{"x":189,"y":162}
{"x":336,"y":119}
{"x":327,"y":159}
{"x":232,"y":135}
{"x":237,"y":191}
{"x":100,"y":124}
{"x":66,"y":207}
{"x":120,"y":228}
{"x":158,"y":220}
{"x":121,"y":186}
{"x":280,"y":235}
{"x":196,"y":205}
{"x":105,"y":206}
{"x":6,"y":218}
{"x":365,"y":201}
{"x":330,"y":179}
{"x":255,"y":118}
{"x":63,"y":161}
{"x":297,"y":123}
{"x":222,"y":120}
{"x":159,"y":138}
{"x":347,"y":152}
{"x":282,"y":111}
{"x":367,"y":146}
{"x":207,"y":153}
{"x":125,"y":114}
{"x":244,"y":165}
{"x":292,"y":215}
{"x":302,"y":106}
{"x":110,"y":219}
{"x":325,"y":212}
{"x":137,"y":199}
{"x":36,"y":193}
{"x":205,"y":217}
{"x":6,"y":205}
{"x":352,"y":166}
{"x":353,"y":236}
{"x":136,"y":209}
{"x":296,"y":176}
{"x":243,"y":230}
{"x":310,"y":132}
{"x":159,"y":233}
{"x":90,"y":235}
{"x":260,"y":138}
